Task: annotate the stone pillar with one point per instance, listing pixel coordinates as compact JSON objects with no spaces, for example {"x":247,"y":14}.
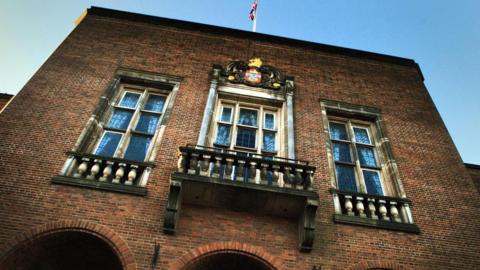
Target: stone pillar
{"x":209,"y":107}
{"x":290,"y":86}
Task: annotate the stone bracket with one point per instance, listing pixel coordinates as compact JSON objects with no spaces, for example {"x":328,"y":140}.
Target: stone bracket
{"x":172,"y":211}
{"x":306,"y":225}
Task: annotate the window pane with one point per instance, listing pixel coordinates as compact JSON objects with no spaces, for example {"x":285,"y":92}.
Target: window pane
{"x":269,"y":141}
{"x":137,"y":148}
{"x":246,"y":137}
{"x":341,"y":152}
{"x":155,"y":103}
{"x":248,"y":117}
{"x":147,"y":123}
{"x":130,"y":100}
{"x":366,"y":156}
{"x":372,"y":181}
{"x":338,"y":131}
{"x":223,"y":135}
{"x":269,"y":121}
{"x":108,"y":144}
{"x":346,"y":178}
{"x":120,"y":119}
{"x":361,"y":135}
{"x":226,"y":115}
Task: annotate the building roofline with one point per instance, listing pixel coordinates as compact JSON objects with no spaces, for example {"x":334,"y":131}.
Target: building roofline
{"x":5,"y":95}
{"x":472,"y":166}
{"x":105,"y":12}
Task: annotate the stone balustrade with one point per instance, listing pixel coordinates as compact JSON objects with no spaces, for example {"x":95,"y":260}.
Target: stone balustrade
{"x":107,"y":170}
{"x":246,"y":167}
{"x":372,"y":207}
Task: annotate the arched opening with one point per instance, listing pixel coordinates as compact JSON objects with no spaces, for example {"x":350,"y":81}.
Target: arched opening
{"x":228,"y":260}
{"x":74,"y":250}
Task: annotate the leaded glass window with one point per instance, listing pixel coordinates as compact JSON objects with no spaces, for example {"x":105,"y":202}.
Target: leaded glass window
{"x":354,"y":154}
{"x":251,"y":128}
{"x":132,"y":124}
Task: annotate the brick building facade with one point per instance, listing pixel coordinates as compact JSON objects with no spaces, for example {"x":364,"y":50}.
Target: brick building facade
{"x":145,"y":143}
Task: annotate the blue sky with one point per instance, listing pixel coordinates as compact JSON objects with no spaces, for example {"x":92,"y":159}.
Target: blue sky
{"x":442,"y":36}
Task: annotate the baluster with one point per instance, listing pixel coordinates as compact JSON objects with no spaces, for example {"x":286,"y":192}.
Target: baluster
{"x":307,"y":184}
{"x":336,"y":204}
{"x":95,"y":169}
{"x":408,"y":213}
{"x":119,"y":173}
{"x":276,"y":174}
{"x":144,"y":177}
{"x":263,"y":173}
{"x":205,"y":165}
{"x":182,"y":162}
{"x":217,"y":166}
{"x":82,"y":168}
{"x":240,"y":170}
{"x":298,"y":177}
{"x":252,"y":170}
{"x":193,"y":168}
{"x":372,"y":208}
{"x":382,"y":209}
{"x":360,"y":207}
{"x":286,"y":175}
{"x":132,"y":175}
{"x":229,"y":169}
{"x":107,"y":171}
{"x":349,"y":205}
{"x":394,"y":212}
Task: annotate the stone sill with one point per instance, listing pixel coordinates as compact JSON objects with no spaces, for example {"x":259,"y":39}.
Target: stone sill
{"x":93,"y":184}
{"x":381,"y":224}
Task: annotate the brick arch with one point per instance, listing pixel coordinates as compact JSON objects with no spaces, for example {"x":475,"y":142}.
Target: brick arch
{"x":377,"y":264}
{"x":227,"y":247}
{"x":118,"y":245}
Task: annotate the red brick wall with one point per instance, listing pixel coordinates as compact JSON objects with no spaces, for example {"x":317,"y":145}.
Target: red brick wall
{"x":4,"y":99}
{"x":48,"y":115}
{"x":475,"y":174}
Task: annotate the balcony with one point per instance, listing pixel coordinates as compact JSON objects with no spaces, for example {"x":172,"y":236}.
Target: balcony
{"x":374,"y":211}
{"x":104,"y":173}
{"x":242,"y":181}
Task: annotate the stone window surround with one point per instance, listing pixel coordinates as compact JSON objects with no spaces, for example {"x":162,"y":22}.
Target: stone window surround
{"x":166,"y":85}
{"x":220,"y":90}
{"x":373,"y":116}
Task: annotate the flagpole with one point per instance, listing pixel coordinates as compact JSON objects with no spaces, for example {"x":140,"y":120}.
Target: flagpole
{"x":255,"y":18}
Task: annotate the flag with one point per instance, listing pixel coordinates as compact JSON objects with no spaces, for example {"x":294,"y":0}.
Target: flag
{"x":253,"y":12}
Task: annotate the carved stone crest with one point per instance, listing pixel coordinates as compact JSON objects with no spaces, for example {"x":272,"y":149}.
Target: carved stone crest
{"x":254,"y":74}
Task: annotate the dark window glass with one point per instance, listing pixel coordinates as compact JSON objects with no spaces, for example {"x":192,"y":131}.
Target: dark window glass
{"x":338,"y":131}
{"x":248,"y":117}
{"x":137,"y":148}
{"x":269,"y":141}
{"x":361,"y":135}
{"x":147,"y":123}
{"x":346,"y":178}
{"x":155,"y":103}
{"x":246,"y":137}
{"x":372,"y":181}
{"x":269,"y":121}
{"x":223,"y":135}
{"x":366,"y":156}
{"x":226,"y":115}
{"x":120,"y":119}
{"x":341,"y":152}
{"x":108,"y":144}
{"x":130,"y":100}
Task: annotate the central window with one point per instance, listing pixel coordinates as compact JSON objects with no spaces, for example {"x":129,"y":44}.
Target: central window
{"x":250,"y":127}
{"x":128,"y":133}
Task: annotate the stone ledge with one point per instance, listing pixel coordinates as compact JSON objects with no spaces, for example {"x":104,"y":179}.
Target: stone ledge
{"x":381,"y":224}
{"x":93,"y":184}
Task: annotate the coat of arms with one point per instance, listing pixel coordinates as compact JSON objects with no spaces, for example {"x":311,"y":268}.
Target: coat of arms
{"x":254,"y":74}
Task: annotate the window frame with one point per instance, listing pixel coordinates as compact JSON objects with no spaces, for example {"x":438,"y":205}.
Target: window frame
{"x":350,"y":124}
{"x":234,"y":126}
{"x":145,"y":93}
